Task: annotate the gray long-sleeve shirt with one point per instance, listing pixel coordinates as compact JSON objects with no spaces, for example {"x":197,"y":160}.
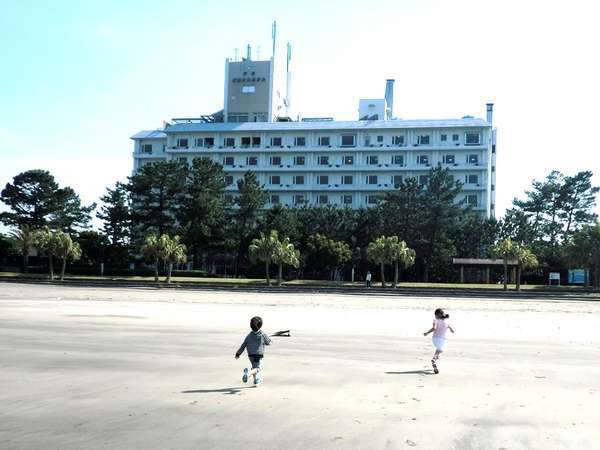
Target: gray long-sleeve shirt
{"x":254,"y":343}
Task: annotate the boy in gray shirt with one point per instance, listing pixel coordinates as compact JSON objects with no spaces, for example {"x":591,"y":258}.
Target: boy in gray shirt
{"x":254,"y":344}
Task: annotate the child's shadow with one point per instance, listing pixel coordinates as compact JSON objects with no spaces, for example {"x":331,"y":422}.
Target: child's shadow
{"x":226,"y":391}
{"x":413,"y":372}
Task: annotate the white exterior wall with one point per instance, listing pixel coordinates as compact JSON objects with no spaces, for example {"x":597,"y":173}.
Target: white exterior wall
{"x":360,"y":190}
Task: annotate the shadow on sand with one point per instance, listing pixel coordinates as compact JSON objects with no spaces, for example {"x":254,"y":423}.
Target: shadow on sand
{"x":227,"y":391}
{"x":413,"y":372}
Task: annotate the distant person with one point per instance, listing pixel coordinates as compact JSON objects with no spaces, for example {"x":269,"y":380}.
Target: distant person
{"x":439,"y":328}
{"x":368,"y":278}
{"x":254,"y":344}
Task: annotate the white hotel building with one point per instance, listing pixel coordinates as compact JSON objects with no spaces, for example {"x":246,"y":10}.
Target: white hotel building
{"x":322,"y":161}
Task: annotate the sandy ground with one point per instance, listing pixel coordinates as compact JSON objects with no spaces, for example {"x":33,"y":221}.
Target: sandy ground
{"x":154,"y":369}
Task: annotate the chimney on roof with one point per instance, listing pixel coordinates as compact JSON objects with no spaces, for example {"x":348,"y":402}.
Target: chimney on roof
{"x":490,"y":112}
{"x":389,"y":99}
{"x":249,"y":53}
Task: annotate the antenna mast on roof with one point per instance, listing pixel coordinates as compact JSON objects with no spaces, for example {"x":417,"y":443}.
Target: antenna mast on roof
{"x":288,"y":79}
{"x":235,"y":58}
{"x":273,"y":37}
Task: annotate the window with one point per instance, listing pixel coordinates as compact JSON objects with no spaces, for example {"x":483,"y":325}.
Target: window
{"x":471,"y":200}
{"x":398,"y":160}
{"x":323,"y":199}
{"x":371,"y":179}
{"x":183,"y":160}
{"x":298,"y":179}
{"x":323,"y":179}
{"x":455,"y":137}
{"x":423,"y":180}
{"x":248,"y":89}
{"x":372,"y":159}
{"x":396,"y":180}
{"x":209,"y":142}
{"x":276,"y":141}
{"x":228,"y":180}
{"x":444,"y":137}
{"x":398,"y":140}
{"x":251,"y":160}
{"x":299,"y":160}
{"x":259,"y":117}
{"x":472,"y":139}
{"x":471,"y":179}
{"x":379,"y":139}
{"x":164,"y":147}
{"x":423,"y":139}
{"x":256,"y":142}
{"x":182,"y":143}
{"x":299,"y":141}
{"x":147,"y":148}
{"x":372,"y":199}
{"x":493,"y":187}
{"x":348,"y":160}
{"x":246,"y":142}
{"x":198,"y":142}
{"x":299,"y":199}
{"x":449,"y":159}
{"x":493,"y":168}
{"x":274,"y":199}
{"x":324,"y":141}
{"x":473,"y":159}
{"x":423,"y":160}
{"x":347,"y":199}
{"x":347,"y":179}
{"x":323,"y":160}
{"x":228,"y":161}
{"x":348,"y":140}
{"x":229,"y":142}
{"x":275,"y":179}
{"x":275,"y":160}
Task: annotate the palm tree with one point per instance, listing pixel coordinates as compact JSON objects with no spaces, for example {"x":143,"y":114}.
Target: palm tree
{"x":505,"y":249}
{"x":400,"y":254}
{"x":24,"y":237}
{"x":45,"y":239}
{"x":151,"y":251}
{"x":172,"y":251}
{"x":285,"y":253}
{"x":65,"y":248}
{"x":378,"y":252}
{"x":263,"y":249}
{"x":525,"y":260}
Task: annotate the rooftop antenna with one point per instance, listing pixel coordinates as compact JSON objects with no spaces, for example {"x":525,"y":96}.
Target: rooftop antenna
{"x":249,"y":53}
{"x":235,"y":58}
{"x":273,"y":37}
{"x":288,"y":79}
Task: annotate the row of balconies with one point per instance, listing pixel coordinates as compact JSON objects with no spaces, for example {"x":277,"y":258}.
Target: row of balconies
{"x":342,"y":187}
{"x":314,"y":148}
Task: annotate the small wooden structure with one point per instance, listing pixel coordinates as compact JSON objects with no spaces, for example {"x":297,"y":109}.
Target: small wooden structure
{"x":485,"y":264}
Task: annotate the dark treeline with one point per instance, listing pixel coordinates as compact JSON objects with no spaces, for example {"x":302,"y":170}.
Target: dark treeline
{"x":554,"y":219}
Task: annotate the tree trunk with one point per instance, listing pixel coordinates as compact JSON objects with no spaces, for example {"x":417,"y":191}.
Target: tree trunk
{"x":279,"y":274}
{"x":25,"y":263}
{"x":62,"y":270}
{"x":169,"y":270}
{"x":51,"y":265}
{"x":156,"y":270}
{"x":518,"y":280}
{"x":267,"y":266}
{"x":505,"y":273}
{"x":395,"y":274}
{"x":382,"y":275}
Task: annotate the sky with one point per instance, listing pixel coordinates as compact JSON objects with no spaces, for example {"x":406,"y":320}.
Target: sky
{"x":78,"y":78}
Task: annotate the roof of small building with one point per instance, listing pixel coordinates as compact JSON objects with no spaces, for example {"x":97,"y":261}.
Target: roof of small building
{"x":149,"y":134}
{"x":325,"y":125}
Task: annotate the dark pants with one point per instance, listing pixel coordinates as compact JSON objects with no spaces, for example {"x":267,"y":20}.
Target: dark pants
{"x":368,"y":283}
{"x":255,"y":361}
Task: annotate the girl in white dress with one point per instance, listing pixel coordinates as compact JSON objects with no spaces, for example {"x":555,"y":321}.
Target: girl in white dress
{"x":439,"y":328}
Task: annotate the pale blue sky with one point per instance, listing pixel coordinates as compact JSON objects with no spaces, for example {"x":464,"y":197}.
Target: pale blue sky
{"x":79,"y":77}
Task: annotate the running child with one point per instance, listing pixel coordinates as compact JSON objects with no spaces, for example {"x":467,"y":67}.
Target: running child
{"x":254,"y":344}
{"x":439,"y":328}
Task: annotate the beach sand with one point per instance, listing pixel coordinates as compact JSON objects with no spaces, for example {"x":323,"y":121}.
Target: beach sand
{"x":91,"y":368}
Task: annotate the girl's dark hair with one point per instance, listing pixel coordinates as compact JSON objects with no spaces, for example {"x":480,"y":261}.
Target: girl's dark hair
{"x":256,"y":323}
{"x":440,"y":314}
